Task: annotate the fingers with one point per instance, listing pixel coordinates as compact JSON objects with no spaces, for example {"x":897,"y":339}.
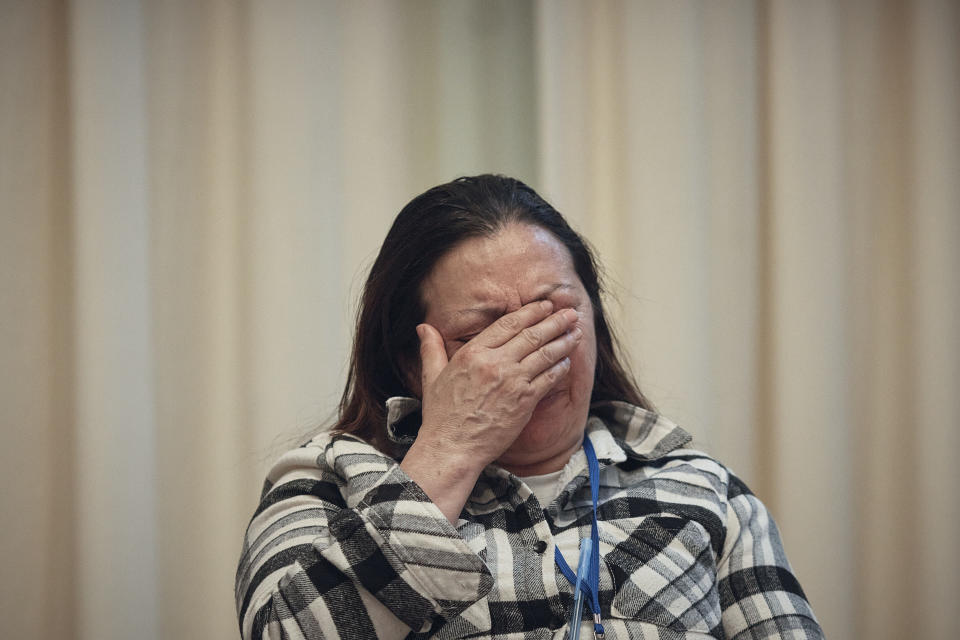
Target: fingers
{"x":433,"y":355}
{"x":547,"y":379}
{"x":508,"y":326}
{"x":551,"y":353}
{"x":539,"y":336}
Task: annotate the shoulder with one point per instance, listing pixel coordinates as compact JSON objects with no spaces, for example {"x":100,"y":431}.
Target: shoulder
{"x":696,"y":465}
{"x":342,"y":460}
{"x":683,"y":477}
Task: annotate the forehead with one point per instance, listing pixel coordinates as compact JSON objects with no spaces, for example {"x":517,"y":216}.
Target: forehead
{"x":516,"y":265}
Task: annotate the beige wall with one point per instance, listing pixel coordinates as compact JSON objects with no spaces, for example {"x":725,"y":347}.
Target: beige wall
{"x":191,"y":191}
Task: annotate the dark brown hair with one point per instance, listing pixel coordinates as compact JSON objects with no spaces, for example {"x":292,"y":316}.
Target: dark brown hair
{"x":391,"y":306}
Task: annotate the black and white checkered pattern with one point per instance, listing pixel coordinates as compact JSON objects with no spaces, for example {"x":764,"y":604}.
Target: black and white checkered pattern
{"x":345,"y":545}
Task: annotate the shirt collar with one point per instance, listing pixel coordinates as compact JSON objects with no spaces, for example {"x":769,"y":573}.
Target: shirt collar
{"x":617,"y":430}
{"x":642,"y":434}
{"x":403,"y":419}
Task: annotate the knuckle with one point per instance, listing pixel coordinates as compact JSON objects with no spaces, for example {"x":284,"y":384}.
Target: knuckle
{"x":486,"y":368}
{"x":467,"y":352}
{"x":546,"y":353}
{"x":526,"y":392}
{"x":528,"y":399}
{"x":558,"y":370}
{"x":532,"y":336}
{"x":492,"y":372}
{"x":475,"y":351}
{"x":510,"y":322}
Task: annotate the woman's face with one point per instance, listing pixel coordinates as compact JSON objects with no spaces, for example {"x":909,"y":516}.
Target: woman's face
{"x":484,"y":278}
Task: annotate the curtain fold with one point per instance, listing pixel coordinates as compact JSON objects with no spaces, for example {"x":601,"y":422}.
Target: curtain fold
{"x":192,"y":190}
{"x":934,"y":202}
{"x":114,"y":484}
{"x":37,"y":354}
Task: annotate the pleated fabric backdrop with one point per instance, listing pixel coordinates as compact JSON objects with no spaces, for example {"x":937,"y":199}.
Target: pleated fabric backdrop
{"x":191,"y":192}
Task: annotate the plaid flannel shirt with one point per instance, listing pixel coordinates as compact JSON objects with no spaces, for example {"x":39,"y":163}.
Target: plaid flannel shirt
{"x":345,"y":545}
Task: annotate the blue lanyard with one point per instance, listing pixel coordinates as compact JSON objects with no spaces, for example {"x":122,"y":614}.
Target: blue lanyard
{"x":592,"y":586}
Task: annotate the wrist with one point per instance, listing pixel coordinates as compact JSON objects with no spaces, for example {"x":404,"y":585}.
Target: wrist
{"x":444,"y":475}
{"x":447,"y":458}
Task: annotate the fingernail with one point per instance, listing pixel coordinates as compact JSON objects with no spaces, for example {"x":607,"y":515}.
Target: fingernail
{"x":546,"y":305}
{"x":420,"y":331}
{"x":577,"y":333}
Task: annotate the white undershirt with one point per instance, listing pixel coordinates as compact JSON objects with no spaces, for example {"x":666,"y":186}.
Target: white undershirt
{"x":548,"y":486}
{"x":545,"y":487}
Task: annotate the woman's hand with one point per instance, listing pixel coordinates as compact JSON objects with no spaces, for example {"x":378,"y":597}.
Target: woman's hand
{"x":475,"y":404}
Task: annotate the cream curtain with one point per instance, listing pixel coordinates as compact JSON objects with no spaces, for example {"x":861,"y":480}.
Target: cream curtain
{"x":191,"y":192}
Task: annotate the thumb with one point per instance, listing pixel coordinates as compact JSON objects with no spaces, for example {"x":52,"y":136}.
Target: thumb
{"x":433,"y":357}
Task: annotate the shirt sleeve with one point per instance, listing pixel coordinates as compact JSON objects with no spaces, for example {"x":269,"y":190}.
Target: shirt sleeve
{"x":327,"y":556}
{"x":759,"y":595}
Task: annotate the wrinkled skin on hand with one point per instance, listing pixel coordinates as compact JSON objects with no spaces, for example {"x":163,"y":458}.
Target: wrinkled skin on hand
{"x":480,"y":399}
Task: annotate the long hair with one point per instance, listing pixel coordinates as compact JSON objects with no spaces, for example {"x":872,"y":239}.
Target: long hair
{"x":385,"y":344}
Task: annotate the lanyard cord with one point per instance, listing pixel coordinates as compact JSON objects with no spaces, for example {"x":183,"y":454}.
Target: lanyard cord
{"x":592,"y":585}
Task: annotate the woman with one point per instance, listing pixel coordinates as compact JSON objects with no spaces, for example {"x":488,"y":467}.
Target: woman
{"x":487,"y":427}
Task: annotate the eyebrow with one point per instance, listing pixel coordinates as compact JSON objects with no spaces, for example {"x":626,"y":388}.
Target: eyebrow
{"x":497,"y":311}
